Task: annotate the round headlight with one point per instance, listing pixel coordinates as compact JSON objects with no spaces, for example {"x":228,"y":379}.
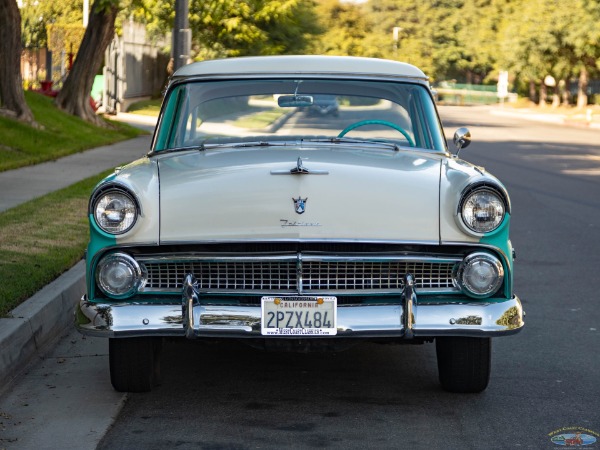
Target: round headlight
{"x":119,"y":275}
{"x":480,"y":274}
{"x":115,"y":211}
{"x":482,"y":210}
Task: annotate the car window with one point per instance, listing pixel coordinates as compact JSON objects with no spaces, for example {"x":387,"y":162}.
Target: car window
{"x":226,"y":112}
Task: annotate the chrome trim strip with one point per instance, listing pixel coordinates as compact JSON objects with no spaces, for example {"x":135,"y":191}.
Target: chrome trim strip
{"x":299,"y":257}
{"x":476,"y":319}
{"x":338,"y":292}
{"x":305,"y":241}
{"x":299,"y":279}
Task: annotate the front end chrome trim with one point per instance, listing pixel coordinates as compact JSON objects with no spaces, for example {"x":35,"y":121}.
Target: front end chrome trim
{"x":300,"y":273}
{"x":188,"y":302}
{"x":429,"y":319}
{"x":409,"y":300}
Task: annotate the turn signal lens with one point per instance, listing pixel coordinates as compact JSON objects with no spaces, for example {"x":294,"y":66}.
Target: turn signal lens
{"x":480,"y":274}
{"x":119,"y":275}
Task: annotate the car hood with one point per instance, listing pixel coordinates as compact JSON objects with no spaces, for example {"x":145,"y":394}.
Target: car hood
{"x":249,"y":194}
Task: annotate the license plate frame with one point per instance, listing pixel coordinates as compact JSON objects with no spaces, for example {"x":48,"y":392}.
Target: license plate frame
{"x":281,"y":315}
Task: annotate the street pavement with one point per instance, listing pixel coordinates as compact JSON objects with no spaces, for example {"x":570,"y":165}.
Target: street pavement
{"x":32,"y":331}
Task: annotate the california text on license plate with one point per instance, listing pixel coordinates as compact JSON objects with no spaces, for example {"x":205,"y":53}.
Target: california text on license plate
{"x":301,"y":315}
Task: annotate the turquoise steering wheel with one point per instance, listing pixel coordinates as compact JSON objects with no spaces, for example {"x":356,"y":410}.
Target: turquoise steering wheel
{"x":362,"y":123}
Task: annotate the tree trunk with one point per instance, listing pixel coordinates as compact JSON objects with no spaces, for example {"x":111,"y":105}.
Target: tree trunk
{"x":12,"y":97}
{"x":74,"y":97}
{"x":582,"y":98}
{"x":555,"y":97}
{"x":543,"y":94}
{"x":532,"y":91}
{"x":564,"y":93}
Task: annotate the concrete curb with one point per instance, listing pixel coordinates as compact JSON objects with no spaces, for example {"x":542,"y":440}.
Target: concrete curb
{"x":36,"y":324}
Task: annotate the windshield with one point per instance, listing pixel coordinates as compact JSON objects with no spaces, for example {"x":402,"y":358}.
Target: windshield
{"x":222,"y":113}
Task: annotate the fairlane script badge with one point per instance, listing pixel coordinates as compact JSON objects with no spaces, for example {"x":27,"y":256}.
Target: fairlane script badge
{"x":295,"y":223}
{"x":300,"y":204}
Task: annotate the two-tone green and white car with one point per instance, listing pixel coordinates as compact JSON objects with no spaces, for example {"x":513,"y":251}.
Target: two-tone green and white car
{"x":252,"y":218}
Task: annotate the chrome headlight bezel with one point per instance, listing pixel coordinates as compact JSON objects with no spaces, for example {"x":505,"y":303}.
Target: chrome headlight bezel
{"x":137,"y":276}
{"x":464,"y":273}
{"x":498,"y":207}
{"x":110,"y":194}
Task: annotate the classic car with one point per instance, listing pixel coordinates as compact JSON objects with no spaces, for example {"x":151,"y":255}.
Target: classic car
{"x":250,"y":219}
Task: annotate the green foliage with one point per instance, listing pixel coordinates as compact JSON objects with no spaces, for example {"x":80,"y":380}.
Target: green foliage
{"x":466,"y":40}
{"x":41,"y":239}
{"x":62,"y":134}
{"x":37,"y":15}
{"x":146,"y":107}
{"x":226,"y":28}
{"x":346,"y":32}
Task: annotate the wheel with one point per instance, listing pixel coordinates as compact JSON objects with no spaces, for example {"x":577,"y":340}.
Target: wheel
{"x":464,"y":363}
{"x":362,"y":123}
{"x":134,"y":363}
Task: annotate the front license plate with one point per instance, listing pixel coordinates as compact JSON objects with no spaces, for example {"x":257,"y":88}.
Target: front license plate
{"x":302,"y":316}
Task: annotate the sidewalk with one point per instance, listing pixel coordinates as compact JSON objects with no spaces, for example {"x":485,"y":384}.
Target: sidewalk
{"x":24,"y":184}
{"x":582,"y":120}
{"x":37,"y":323}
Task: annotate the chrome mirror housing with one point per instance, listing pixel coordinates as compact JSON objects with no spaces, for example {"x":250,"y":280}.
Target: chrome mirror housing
{"x":462,"y":139}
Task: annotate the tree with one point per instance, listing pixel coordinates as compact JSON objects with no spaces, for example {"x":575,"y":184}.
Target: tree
{"x":12,"y":98}
{"x":226,"y":28}
{"x":532,"y":45}
{"x":74,"y":95}
{"x":37,"y":16}
{"x":347,"y":30}
{"x":584,"y":40}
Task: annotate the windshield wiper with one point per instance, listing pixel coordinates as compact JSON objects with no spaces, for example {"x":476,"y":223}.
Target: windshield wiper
{"x":345,"y":140}
{"x":246,"y":144}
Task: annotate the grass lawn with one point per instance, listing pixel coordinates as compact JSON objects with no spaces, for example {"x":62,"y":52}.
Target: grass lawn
{"x":41,"y":239}
{"x":259,"y":119}
{"x":252,"y":120}
{"x":62,"y":134}
{"x":146,"y":107}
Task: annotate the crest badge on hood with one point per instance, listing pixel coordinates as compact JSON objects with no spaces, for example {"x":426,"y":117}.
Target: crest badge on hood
{"x":299,"y":204}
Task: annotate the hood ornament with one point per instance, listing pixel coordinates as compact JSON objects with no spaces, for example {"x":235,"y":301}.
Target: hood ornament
{"x":299,"y":170}
{"x":300,"y":204}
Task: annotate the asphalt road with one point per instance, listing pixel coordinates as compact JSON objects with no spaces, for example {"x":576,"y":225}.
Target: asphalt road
{"x":228,"y":396}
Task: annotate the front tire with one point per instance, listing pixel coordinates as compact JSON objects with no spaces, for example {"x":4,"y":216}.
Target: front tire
{"x":134,"y":363}
{"x":464,"y":363}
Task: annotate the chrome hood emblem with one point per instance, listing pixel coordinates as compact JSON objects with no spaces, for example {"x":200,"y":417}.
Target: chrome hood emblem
{"x":299,"y":170}
{"x":299,"y":204}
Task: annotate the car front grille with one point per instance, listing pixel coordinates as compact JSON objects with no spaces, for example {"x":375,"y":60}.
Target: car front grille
{"x":299,"y":274}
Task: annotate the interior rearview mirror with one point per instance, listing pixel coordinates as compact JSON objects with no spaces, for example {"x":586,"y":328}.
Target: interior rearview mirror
{"x":294,"y":101}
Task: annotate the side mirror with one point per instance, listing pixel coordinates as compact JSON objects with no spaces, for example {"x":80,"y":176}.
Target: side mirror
{"x":462,"y":139}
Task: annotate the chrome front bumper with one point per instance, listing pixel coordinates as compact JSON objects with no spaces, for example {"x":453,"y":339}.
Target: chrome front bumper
{"x":411,"y":318}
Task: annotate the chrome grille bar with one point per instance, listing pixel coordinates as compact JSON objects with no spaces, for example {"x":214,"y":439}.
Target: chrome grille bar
{"x":299,"y":273}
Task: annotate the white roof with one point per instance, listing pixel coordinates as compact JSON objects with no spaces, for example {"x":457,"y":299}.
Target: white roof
{"x":302,"y":64}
